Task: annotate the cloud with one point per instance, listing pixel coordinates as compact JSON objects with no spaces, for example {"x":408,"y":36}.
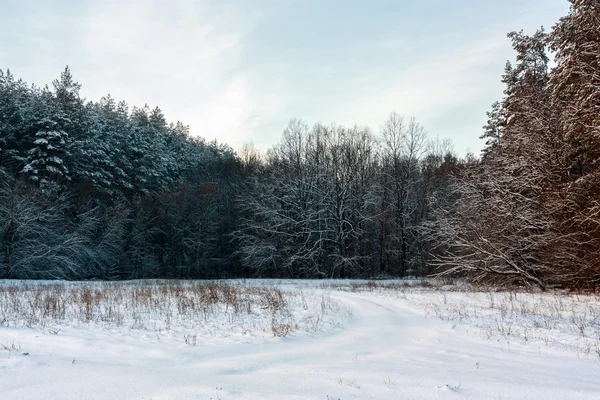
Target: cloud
{"x":237,"y":71}
{"x":431,"y":84}
{"x":181,"y":55}
{"x":446,"y":73}
{"x":374,"y":78}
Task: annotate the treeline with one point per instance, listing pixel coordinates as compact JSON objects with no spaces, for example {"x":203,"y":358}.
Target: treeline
{"x":95,"y":190}
{"x":529,"y":211}
{"x":331,"y":201}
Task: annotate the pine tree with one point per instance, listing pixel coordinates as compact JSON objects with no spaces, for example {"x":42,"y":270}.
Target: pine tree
{"x":575,"y":88}
{"x":45,"y":161}
{"x":493,"y":129}
{"x":575,"y":82}
{"x":16,"y":100}
{"x":66,"y":94}
{"x":504,"y":229}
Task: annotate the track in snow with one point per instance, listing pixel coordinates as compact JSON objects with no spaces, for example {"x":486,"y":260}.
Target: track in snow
{"x":387,"y":351}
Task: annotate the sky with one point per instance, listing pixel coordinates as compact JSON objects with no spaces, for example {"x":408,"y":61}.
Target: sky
{"x":239,"y":70}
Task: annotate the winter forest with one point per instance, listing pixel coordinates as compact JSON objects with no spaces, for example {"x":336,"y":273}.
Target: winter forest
{"x":96,"y":189}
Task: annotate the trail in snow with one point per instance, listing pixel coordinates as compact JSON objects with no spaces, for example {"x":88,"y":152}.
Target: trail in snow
{"x":389,"y":350}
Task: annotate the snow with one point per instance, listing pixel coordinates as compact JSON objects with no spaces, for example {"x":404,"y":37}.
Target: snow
{"x":397,"y":343}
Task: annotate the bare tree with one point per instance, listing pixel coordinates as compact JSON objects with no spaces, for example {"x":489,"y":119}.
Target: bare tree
{"x":403,"y":145}
{"x":36,"y":240}
{"x":501,"y":226}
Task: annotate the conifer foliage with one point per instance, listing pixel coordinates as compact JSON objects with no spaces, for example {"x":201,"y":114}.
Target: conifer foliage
{"x":529,"y":211}
{"x":89,"y":189}
{"x":45,"y":160}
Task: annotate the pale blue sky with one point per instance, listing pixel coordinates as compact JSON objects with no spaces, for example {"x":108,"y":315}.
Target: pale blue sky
{"x":238,"y":70}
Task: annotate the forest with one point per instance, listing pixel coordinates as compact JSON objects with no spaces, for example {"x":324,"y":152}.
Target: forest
{"x":101,"y":190}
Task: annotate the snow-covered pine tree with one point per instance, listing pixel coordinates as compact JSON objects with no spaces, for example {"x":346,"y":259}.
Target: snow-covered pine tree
{"x":15,"y":111}
{"x":148,"y":153}
{"x":492,"y":130}
{"x":575,"y":90}
{"x":66,"y":95}
{"x":504,"y":229}
{"x":45,"y":160}
{"x":575,"y":81}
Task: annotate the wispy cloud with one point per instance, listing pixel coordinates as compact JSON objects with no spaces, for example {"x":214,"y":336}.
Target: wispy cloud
{"x":182,"y":55}
{"x":236,"y":70}
{"x":428,"y":85}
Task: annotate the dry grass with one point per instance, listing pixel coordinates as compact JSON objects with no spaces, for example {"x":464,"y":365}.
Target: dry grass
{"x":551,"y":319}
{"x":557,"y":319}
{"x":161,"y":306}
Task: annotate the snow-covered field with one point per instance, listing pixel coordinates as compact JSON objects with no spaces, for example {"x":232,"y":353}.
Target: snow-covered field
{"x":294,"y":340}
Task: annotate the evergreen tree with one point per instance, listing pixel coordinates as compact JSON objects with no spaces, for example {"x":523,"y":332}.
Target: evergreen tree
{"x":45,"y":160}
{"x":15,"y":113}
{"x":575,"y":88}
{"x":575,"y":82}
{"x":492,"y":130}
{"x":504,"y":229}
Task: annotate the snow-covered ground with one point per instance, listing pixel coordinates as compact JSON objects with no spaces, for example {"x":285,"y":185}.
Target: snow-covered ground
{"x":305,"y":340}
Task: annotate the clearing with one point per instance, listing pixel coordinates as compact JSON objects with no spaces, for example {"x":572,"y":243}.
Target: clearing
{"x":294,"y":340}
